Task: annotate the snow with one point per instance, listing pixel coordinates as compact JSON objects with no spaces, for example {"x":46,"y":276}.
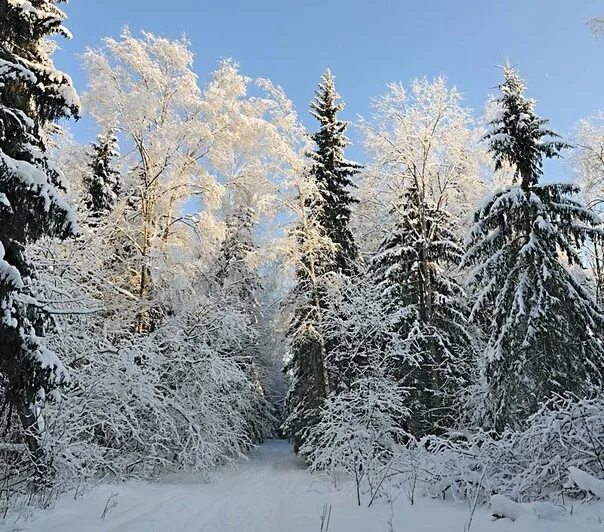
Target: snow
{"x":273,"y":492}
{"x":502,"y":507}
{"x":32,"y":177}
{"x":9,"y":275}
{"x":587,"y":482}
{"x":23,"y":5}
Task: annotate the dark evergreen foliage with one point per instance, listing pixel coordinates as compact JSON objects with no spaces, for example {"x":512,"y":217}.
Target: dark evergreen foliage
{"x":307,"y":364}
{"x":32,"y":96}
{"x":102,"y":183}
{"x":543,"y":329}
{"x":333,"y":173}
{"x":327,"y":250}
{"x":426,"y":307}
{"x":234,"y":273}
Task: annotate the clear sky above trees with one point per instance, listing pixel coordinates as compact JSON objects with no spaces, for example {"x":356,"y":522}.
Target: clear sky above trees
{"x":386,"y":40}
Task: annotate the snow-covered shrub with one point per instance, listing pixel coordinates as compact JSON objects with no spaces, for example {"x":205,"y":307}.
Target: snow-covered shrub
{"x":185,"y":395}
{"x":175,"y":398}
{"x":529,"y":464}
{"x":359,"y":433}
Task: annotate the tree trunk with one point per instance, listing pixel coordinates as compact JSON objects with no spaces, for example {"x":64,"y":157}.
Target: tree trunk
{"x":30,"y":422}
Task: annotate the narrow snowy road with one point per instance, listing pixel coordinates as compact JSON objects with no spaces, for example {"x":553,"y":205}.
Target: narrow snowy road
{"x":272,"y":492}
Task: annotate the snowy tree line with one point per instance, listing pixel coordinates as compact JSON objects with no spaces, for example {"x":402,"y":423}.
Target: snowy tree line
{"x":207,"y":273}
{"x":458,"y":350}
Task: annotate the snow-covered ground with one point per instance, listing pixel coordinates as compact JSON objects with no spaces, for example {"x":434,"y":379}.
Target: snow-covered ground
{"x":272,"y":492}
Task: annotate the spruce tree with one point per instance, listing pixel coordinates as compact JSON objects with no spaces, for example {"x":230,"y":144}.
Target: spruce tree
{"x":233,"y":273}
{"x":33,"y":95}
{"x":240,"y":287}
{"x":309,"y":384}
{"x":326,"y":250}
{"x":102,"y":183}
{"x":426,"y":307}
{"x":544,"y":330}
{"x":333,"y":173}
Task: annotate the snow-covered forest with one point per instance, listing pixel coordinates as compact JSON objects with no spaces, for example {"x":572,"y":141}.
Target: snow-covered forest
{"x":426,"y":328}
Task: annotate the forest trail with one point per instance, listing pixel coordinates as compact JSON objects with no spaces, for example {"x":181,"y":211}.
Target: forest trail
{"x":270,"y":492}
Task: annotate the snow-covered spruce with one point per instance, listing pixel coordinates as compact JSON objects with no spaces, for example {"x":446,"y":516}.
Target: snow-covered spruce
{"x":425,"y":166}
{"x":333,"y":172}
{"x":426,"y":308}
{"x":325,"y":248}
{"x":543,"y":328}
{"x":102,"y":182}
{"x":234,"y":271}
{"x":33,"y":95}
{"x":309,"y":382}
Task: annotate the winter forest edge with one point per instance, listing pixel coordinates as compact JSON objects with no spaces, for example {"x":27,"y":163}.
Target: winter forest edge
{"x":208,"y":274}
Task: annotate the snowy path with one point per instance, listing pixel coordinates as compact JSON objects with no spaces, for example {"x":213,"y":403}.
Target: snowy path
{"x":271,"y":492}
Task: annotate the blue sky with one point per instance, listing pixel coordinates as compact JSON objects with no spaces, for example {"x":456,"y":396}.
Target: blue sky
{"x":370,"y":43}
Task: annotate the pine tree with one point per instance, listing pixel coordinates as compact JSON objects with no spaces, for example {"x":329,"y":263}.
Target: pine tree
{"x":326,"y":250}
{"x":333,"y":173}
{"x":544,"y":330}
{"x":33,"y":95}
{"x":413,"y":268}
{"x":102,"y":183}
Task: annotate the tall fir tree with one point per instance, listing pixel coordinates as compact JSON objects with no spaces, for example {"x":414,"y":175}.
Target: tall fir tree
{"x":544,"y":330}
{"x":33,"y":95}
{"x":240,"y":287}
{"x":234,"y":274}
{"x":326,"y":250}
{"x":333,"y":173}
{"x":309,"y":384}
{"x":239,"y":284}
{"x":102,"y":183}
{"x":414,"y":269}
